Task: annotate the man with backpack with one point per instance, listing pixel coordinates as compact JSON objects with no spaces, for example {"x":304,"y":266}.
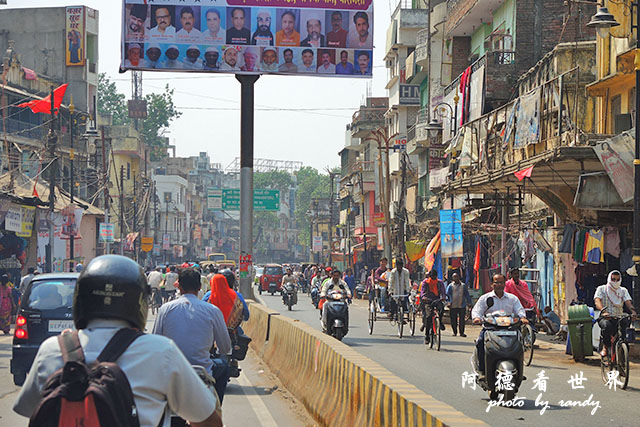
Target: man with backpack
{"x":108,"y":372}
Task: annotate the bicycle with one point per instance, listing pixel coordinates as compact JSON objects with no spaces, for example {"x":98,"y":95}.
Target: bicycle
{"x":373,"y":309}
{"x":399,"y":318}
{"x":434,"y":333}
{"x":153,"y":303}
{"x":617,"y":358}
{"x":528,"y":336}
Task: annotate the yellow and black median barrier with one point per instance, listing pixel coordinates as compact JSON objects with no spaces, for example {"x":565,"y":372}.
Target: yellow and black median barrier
{"x":339,"y":386}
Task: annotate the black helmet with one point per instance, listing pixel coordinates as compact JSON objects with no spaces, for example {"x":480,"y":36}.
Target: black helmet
{"x":112,"y":287}
{"x":228,"y":274}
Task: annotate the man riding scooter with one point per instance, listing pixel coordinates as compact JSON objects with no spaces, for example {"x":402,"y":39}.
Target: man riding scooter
{"x":334,"y":284}
{"x":508,"y":303}
{"x":289,"y":287}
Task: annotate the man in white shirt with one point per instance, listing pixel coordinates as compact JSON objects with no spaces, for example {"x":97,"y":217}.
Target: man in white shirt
{"x":508,"y":303}
{"x":163,"y":30}
{"x":188,"y":32}
{"x":230,"y":59}
{"x":361,"y":37}
{"x":215,"y":34}
{"x":155,"y":278}
{"x":399,"y":284}
{"x":326,"y":67}
{"x":161,"y":378}
{"x":612,"y":297}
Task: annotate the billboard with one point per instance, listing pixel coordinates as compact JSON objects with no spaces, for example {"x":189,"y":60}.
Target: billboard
{"x":75,"y":36}
{"x":320,"y":37}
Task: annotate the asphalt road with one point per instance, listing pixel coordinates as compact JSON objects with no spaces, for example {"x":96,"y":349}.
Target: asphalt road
{"x":256,"y":398}
{"x":440,"y":374}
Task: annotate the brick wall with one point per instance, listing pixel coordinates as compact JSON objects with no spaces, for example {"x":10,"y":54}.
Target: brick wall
{"x":460,"y":55}
{"x":542,"y":24}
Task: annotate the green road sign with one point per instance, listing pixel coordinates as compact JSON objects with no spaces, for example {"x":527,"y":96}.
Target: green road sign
{"x":229,"y":199}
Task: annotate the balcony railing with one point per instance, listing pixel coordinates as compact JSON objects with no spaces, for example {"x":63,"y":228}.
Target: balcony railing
{"x":24,"y":129}
{"x":422,"y":37}
{"x":411,"y":133}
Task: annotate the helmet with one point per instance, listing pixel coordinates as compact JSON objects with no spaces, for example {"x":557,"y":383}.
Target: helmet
{"x":112,"y":287}
{"x":228,"y":274}
{"x":79,"y":267}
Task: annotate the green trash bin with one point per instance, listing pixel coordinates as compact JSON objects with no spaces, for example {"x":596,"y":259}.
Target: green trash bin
{"x":580,"y":330}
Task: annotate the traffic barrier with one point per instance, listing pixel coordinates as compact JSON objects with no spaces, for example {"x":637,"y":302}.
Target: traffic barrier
{"x":339,"y":386}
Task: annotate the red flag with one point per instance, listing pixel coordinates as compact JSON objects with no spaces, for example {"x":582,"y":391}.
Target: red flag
{"x":524,"y":173}
{"x":44,"y":105}
{"x":476,"y":268}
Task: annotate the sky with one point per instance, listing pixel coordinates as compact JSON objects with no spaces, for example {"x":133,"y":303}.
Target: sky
{"x":296,"y":118}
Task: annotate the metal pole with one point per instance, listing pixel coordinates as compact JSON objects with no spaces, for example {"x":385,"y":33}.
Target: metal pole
{"x":246,"y":179}
{"x":135,"y":207}
{"x":166,"y":225}
{"x":121,"y":209}
{"x":364,"y":221}
{"x":52,"y":186}
{"x":71,"y":185}
{"x":107,"y":245}
{"x":636,"y":167}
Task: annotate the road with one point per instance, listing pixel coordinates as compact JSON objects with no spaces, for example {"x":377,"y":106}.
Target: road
{"x":256,"y":398}
{"x":440,"y":374}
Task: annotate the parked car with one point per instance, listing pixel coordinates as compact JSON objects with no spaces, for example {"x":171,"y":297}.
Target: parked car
{"x":45,"y":310}
{"x":271,"y":279}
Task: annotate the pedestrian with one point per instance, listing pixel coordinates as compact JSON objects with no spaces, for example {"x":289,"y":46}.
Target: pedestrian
{"x":350,"y":280}
{"x":551,"y":321}
{"x":6,"y":304}
{"x":24,"y":282}
{"x":458,"y":298}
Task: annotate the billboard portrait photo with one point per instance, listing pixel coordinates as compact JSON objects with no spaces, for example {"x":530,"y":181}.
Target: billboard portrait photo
{"x":323,"y":38}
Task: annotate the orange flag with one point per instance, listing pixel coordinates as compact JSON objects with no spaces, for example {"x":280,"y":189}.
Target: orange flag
{"x":524,"y":173}
{"x":44,"y":105}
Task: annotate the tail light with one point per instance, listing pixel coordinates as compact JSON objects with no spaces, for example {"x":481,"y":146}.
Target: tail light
{"x":21,"y":328}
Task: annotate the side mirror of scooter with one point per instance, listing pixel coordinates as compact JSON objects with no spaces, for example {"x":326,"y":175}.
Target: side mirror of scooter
{"x":490,"y":302}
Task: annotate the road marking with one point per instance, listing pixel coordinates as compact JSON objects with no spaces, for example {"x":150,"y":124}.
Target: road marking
{"x":260,"y":409}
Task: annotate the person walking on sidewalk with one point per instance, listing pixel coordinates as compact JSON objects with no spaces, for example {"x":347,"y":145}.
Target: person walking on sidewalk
{"x":458,"y":297}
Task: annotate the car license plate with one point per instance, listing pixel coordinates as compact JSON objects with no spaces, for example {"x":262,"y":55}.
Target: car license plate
{"x":506,"y":333}
{"x":60,"y":325}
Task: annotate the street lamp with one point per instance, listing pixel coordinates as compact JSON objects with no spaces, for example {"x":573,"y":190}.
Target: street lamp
{"x":603,"y":21}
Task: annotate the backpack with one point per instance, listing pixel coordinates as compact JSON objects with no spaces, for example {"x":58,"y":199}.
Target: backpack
{"x":92,"y":395}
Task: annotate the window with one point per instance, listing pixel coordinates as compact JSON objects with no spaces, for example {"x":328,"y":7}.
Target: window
{"x":51,"y":294}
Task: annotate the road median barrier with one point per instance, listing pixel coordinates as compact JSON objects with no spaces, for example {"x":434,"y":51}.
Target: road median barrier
{"x":338,"y":385}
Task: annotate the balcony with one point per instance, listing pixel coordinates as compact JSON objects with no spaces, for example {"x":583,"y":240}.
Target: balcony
{"x":22,"y":129}
{"x":464,"y":16}
{"x":366,"y":119}
{"x":405,"y":23}
{"x":415,"y":73}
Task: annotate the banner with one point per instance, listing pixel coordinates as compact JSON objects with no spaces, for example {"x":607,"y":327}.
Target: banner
{"x":129,"y":241}
{"x":166,"y":242}
{"x":106,"y":233}
{"x":616,"y":155}
{"x":320,"y":37}
{"x":28,"y":216}
{"x":71,"y":220}
{"x":75,"y":40}
{"x":451,"y":233}
{"x":317,"y":244}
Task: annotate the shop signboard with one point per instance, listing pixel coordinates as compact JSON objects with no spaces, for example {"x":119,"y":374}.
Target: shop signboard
{"x":317,"y":244}
{"x":318,"y":38}
{"x":166,"y":242}
{"x":146,"y":244}
{"x":106,"y":234}
{"x":451,"y":233}
{"x":13,"y":219}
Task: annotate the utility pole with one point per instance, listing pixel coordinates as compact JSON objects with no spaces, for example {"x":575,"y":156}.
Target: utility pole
{"x":121,"y":209}
{"x":402,"y":208}
{"x":166,"y":224}
{"x":364,"y":219}
{"x":72,"y":184}
{"x":107,"y":245}
{"x":135,"y":207}
{"x":155,"y":213}
{"x":52,"y":186}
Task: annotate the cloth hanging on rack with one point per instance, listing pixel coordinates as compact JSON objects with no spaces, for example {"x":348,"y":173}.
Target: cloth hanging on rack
{"x":612,"y":241}
{"x":594,"y":248}
{"x":570,"y":292}
{"x":465,"y":83}
{"x":566,"y":246}
{"x":578,"y":249}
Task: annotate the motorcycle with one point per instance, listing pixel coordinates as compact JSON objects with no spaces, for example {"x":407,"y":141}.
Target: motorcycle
{"x":360,"y":291}
{"x":335,"y":314}
{"x":208,"y":380}
{"x":239,"y":346}
{"x":315,"y":294}
{"x":289,"y":295}
{"x":504,"y":356}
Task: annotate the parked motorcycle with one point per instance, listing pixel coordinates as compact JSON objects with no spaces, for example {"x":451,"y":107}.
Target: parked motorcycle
{"x":289,"y":295}
{"x":335,"y":313}
{"x":504,"y":355}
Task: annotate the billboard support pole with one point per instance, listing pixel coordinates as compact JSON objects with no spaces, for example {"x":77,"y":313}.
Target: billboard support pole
{"x":246,"y":179}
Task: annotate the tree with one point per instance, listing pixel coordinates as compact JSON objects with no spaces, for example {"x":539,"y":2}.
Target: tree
{"x":161,"y":111}
{"x":311,"y":185}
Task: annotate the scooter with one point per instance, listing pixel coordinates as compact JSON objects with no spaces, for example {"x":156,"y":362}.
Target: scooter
{"x":315,"y":294}
{"x":335,"y":313}
{"x":359,"y":291}
{"x":208,"y":380}
{"x":289,"y":295}
{"x":503,"y":354}
{"x":239,"y":346}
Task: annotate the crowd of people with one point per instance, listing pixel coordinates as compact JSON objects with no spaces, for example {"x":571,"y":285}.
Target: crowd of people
{"x":200,"y":312}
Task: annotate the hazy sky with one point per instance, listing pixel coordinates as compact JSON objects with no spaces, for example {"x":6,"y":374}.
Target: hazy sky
{"x":210,"y":104}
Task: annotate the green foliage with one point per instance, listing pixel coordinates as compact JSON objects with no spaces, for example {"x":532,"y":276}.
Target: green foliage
{"x":161,"y":111}
{"x":311,"y":185}
{"x":111,"y":102}
{"x":273,"y":180}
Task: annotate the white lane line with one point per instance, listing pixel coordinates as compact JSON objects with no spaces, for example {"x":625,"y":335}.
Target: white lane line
{"x":260,"y":409}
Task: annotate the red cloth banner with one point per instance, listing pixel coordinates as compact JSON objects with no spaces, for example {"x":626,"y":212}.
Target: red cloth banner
{"x":44,"y":105}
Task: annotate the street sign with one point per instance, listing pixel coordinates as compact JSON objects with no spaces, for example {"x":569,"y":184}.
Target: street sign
{"x":147,"y":244}
{"x":228,"y":199}
{"x":106,"y":233}
{"x":317,"y":244}
{"x":166,"y":242}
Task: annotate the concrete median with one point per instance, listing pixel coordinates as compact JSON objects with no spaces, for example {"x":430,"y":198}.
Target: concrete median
{"x":337,"y":385}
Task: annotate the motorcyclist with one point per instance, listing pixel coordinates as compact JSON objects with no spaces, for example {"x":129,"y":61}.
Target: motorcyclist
{"x":335,"y":283}
{"x":288,"y":278}
{"x":613,"y":297}
{"x":502,"y":301}
{"x":432,"y":294}
{"x":161,"y":378}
